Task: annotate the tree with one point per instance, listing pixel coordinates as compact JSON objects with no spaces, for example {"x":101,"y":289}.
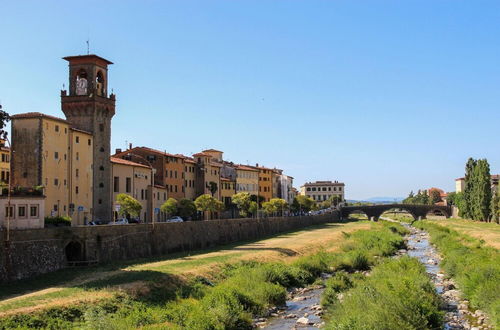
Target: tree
{"x":468,"y":187}
{"x":253,"y":208}
{"x":207,"y":203}
{"x":434,"y":196}
{"x":128,"y":205}
{"x":306,"y":204}
{"x":253,"y":198}
{"x":275,"y":205}
{"x":495,"y":206}
{"x":242,"y":201}
{"x":481,"y":191}
{"x":212,"y":186}
{"x":4,"y":119}
{"x":186,"y":208}
{"x":169,"y":207}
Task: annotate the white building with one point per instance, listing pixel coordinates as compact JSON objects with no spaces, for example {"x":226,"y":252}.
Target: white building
{"x":26,"y":212}
{"x":322,"y":190}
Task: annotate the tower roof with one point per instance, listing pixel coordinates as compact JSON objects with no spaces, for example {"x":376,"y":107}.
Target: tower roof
{"x":83,"y":59}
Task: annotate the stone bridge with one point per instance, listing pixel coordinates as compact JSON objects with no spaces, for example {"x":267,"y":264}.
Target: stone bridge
{"x":375,"y":211}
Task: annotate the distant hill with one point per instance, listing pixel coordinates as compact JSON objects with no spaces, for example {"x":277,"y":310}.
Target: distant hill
{"x":379,"y":200}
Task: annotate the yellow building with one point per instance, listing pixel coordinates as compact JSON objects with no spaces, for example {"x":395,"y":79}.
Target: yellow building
{"x":80,"y":180}
{"x":189,"y":178}
{"x":228,"y":189}
{"x":160,"y":196}
{"x":265,"y":183}
{"x":207,"y":175}
{"x":4,"y":163}
{"x":49,"y":153}
{"x":133,"y":179}
{"x":247,"y":179}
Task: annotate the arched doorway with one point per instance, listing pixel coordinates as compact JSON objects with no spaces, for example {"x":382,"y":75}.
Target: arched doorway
{"x":74,"y":252}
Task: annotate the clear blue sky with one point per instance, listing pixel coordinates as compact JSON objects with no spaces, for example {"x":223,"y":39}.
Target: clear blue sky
{"x":387,"y":96}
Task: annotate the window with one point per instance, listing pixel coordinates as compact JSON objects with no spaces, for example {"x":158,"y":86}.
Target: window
{"x":55,"y":207}
{"x":77,"y":139}
{"x":56,"y":128}
{"x":308,"y":189}
{"x":102,"y":149}
{"x":76,"y":173}
{"x":101,"y":127}
{"x":34,"y":211}
{"x":89,"y":142}
{"x":77,"y":156}
{"x":100,"y":201}
{"x":9,"y":212}
{"x":128,"y":184}
{"x":56,"y":182}
{"x":64,"y":156}
{"x":314,"y":189}
{"x":116,"y":184}
{"x":329,"y":188}
{"x":142,"y":193}
{"x":101,"y":185}
{"x":175,"y":188}
{"x":340,"y":188}
{"x":146,"y":193}
{"x":76,"y":190}
{"x":101,"y":168}
{"x":64,"y":181}
{"x":56,"y":155}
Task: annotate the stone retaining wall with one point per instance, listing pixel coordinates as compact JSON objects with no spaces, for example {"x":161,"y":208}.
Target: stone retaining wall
{"x":37,"y":251}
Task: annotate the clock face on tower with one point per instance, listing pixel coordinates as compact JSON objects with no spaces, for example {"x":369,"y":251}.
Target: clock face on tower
{"x":81,"y":86}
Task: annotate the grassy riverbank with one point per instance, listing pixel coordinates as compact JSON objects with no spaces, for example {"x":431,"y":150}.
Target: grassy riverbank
{"x":489,"y":232}
{"x":474,"y":266}
{"x":144,"y":285}
{"x":228,"y":299}
{"x":397,"y":294}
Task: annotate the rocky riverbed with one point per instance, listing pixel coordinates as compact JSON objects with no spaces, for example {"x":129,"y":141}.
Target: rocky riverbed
{"x":303,"y":309}
{"x":458,"y":315}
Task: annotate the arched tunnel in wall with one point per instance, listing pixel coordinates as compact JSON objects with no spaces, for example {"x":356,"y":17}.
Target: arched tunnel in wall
{"x":74,"y":252}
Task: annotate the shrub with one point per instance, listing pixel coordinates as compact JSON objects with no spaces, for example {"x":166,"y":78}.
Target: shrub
{"x":58,"y":221}
{"x":398,"y":295}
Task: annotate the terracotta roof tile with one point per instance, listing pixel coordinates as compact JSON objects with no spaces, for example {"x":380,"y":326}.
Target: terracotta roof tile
{"x":121,"y":161}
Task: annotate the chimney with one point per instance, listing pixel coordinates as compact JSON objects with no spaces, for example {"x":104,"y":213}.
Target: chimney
{"x":256,"y":164}
{"x":118,"y":150}
{"x":129,"y":146}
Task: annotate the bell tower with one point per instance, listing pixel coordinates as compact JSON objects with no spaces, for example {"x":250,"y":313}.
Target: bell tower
{"x":88,"y":107}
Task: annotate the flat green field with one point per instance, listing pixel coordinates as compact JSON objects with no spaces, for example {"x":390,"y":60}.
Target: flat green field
{"x":73,"y":286}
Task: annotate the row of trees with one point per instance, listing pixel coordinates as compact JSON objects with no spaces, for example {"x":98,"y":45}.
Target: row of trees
{"x":477,"y":201}
{"x":422,"y":197}
{"x":246,"y":204}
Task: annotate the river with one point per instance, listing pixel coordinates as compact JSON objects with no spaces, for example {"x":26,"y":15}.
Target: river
{"x":303,"y":308}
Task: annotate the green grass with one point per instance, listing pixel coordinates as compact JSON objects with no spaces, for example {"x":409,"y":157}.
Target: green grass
{"x":474,"y":266}
{"x":241,"y":290}
{"x":397,"y":295}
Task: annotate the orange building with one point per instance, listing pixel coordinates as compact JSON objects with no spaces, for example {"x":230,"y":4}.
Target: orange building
{"x":169,"y":168}
{"x":265,"y":182}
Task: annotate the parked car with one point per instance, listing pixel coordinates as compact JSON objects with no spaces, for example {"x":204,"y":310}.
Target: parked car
{"x":175,"y":219}
{"x":134,"y":220}
{"x":119,"y":222}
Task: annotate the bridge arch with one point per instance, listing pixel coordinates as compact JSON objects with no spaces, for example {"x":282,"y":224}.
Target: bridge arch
{"x":401,"y":209}
{"x":356,"y":211}
{"x":375,"y":211}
